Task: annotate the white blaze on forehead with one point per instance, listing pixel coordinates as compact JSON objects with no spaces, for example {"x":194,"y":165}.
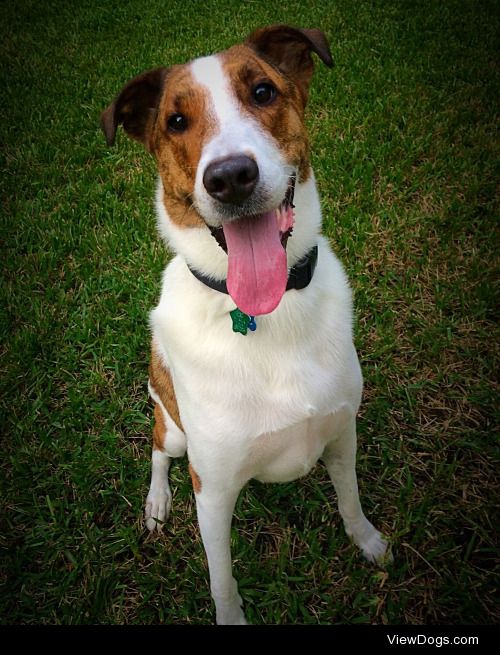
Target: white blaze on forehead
{"x":208,"y":73}
{"x":236,"y":131}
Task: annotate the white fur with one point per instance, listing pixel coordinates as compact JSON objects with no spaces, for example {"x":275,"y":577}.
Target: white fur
{"x":159,"y":498}
{"x":269,"y":404}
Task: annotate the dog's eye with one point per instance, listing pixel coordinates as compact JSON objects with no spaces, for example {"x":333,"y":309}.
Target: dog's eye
{"x":177,"y":123}
{"x":264,"y":93}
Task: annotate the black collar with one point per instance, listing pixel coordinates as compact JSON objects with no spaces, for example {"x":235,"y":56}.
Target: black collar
{"x":298,"y":278}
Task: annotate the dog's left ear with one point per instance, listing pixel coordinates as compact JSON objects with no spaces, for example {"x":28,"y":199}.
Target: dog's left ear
{"x":289,"y":49}
{"x":135,"y":108}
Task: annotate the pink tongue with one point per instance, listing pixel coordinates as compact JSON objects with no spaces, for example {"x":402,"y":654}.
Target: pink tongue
{"x":257,"y":273}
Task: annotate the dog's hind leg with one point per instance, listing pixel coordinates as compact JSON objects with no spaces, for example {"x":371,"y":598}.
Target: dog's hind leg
{"x":168,"y":442}
{"x":340,"y":460}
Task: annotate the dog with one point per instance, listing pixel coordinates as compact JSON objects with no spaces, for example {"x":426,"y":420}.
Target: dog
{"x":253,"y":369}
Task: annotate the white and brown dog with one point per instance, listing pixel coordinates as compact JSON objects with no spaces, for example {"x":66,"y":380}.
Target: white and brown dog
{"x":253,"y":368}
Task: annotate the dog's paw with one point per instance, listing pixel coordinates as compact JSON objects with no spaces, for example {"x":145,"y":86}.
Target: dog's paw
{"x":158,"y":504}
{"x":377,"y":550}
{"x":229,"y":612}
{"x":374,"y":546}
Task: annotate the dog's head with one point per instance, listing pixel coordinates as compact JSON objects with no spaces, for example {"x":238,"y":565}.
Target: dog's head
{"x":229,"y":138}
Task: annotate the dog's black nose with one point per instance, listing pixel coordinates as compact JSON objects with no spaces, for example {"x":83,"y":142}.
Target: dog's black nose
{"x":232,"y":179}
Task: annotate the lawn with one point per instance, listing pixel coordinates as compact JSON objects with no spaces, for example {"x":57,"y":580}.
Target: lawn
{"x":405,"y":149}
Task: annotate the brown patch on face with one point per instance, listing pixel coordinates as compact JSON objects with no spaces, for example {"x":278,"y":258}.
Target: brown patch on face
{"x":159,"y":430}
{"x":284,"y":116}
{"x":178,"y":153}
{"x":161,"y":382}
{"x":195,"y":478}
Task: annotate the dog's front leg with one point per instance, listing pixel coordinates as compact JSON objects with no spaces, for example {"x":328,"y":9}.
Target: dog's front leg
{"x":215,"y":506}
{"x":340,"y":460}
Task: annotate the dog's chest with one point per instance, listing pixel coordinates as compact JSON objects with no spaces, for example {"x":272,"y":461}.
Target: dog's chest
{"x":299,"y":364}
{"x":251,"y":390}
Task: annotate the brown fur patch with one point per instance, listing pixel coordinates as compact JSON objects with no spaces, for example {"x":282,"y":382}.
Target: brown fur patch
{"x":284,"y":117}
{"x":195,"y":478}
{"x":161,"y":382}
{"x":178,"y":153}
{"x":159,"y":430}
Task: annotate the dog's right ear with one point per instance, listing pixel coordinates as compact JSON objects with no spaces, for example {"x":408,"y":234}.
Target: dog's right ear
{"x":135,"y":108}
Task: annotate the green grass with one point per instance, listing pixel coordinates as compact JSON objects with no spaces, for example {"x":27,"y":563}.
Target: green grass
{"x":405,"y":145}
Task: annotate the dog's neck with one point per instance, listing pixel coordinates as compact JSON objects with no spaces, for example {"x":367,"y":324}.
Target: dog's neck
{"x":202,"y":252}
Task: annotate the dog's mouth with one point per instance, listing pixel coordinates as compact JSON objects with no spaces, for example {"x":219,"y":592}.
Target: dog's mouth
{"x":256,"y":247}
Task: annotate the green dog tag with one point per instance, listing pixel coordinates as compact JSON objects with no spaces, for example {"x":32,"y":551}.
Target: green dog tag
{"x":242,"y":322}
